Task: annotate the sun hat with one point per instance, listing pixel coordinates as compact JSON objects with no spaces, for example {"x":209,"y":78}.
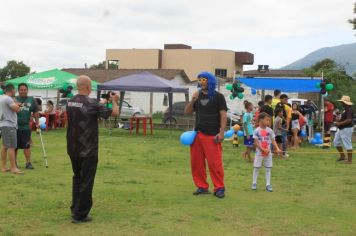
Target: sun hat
{"x":346,"y":100}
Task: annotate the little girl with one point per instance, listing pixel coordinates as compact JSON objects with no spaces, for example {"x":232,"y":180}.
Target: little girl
{"x":248,"y":130}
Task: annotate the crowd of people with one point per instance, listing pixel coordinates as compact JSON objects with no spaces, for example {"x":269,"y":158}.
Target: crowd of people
{"x":19,"y":116}
{"x":15,"y":118}
{"x":268,"y":131}
{"x":291,"y":123}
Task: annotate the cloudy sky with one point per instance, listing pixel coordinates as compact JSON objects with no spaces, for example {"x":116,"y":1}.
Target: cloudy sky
{"x":56,"y":34}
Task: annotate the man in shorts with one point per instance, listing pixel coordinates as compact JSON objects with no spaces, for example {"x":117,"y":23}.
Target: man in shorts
{"x":343,"y":136}
{"x":28,"y":107}
{"x":8,"y":125}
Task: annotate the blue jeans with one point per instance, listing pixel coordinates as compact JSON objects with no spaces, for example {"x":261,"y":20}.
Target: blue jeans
{"x":284,"y":140}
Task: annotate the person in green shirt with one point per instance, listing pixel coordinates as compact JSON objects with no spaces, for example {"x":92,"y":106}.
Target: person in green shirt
{"x":28,"y":107}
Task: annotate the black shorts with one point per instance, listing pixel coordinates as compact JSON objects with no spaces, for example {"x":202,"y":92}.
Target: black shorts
{"x":23,"y":139}
{"x":279,"y":139}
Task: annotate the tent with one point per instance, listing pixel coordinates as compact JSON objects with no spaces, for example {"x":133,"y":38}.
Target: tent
{"x":144,"y":82}
{"x":297,"y":85}
{"x":51,"y":79}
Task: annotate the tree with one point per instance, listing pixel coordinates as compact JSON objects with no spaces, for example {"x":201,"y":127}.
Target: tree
{"x":13,"y":69}
{"x":353,"y":21}
{"x":101,"y":65}
{"x":335,"y":74}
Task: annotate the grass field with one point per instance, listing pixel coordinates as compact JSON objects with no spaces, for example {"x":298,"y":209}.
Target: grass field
{"x":144,"y":187}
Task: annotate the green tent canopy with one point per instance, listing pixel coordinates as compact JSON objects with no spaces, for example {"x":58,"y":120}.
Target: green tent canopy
{"x":51,"y":79}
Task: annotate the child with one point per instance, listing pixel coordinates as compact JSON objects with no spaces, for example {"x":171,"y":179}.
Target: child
{"x":296,"y":115}
{"x":264,"y":137}
{"x":277,"y":127}
{"x":248,"y":130}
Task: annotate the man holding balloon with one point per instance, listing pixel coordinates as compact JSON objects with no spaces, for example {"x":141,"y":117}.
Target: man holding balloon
{"x":28,"y":106}
{"x":210,"y":122}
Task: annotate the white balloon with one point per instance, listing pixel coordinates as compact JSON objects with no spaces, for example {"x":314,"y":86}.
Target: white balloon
{"x":42,"y":120}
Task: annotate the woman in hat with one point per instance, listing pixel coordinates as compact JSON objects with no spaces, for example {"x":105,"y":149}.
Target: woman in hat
{"x":343,"y":136}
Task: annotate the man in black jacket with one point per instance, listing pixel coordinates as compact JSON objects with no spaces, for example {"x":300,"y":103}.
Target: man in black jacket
{"x":82,"y":145}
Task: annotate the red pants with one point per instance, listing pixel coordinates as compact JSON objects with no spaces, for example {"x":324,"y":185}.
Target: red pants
{"x":204,"y":147}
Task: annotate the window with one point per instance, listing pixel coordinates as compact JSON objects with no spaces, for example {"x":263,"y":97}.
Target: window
{"x":221,"y":72}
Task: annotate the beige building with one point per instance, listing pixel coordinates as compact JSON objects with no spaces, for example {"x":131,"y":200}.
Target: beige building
{"x":222,"y":63}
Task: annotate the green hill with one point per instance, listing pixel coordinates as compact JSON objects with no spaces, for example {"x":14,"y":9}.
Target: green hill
{"x":344,"y":55}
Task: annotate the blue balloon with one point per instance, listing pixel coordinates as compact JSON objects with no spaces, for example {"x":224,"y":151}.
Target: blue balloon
{"x":319,"y":141}
{"x":317,"y":136}
{"x":303,"y":134}
{"x":43,"y":126}
{"x":187,"y":138}
{"x":229,"y":133}
{"x":313,"y":141}
{"x":253,"y":91}
{"x":240,"y":133}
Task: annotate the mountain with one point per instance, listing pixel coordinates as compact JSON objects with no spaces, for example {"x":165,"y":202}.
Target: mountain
{"x":344,"y":55}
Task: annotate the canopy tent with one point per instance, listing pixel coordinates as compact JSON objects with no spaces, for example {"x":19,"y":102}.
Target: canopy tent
{"x":51,"y":79}
{"x":144,"y":82}
{"x":297,"y":85}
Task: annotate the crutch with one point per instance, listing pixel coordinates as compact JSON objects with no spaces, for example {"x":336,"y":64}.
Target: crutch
{"x":43,"y":149}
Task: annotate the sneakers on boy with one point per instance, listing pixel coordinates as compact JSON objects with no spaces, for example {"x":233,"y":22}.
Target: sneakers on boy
{"x":29,"y":166}
{"x":269,"y":188}
{"x":201,"y":191}
{"x":220,"y":193}
{"x":254,"y":186}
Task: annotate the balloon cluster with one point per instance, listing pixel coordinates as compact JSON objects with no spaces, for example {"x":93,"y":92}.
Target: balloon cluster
{"x":236,"y":90}
{"x":317,"y":139}
{"x":42,"y":122}
{"x":234,"y":129}
{"x":324,"y":87}
{"x":66,"y":91}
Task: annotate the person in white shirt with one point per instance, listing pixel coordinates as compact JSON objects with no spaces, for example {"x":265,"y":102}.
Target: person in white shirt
{"x":263,"y":138}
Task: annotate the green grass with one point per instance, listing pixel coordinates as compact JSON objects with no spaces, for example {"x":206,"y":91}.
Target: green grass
{"x":144,"y":187}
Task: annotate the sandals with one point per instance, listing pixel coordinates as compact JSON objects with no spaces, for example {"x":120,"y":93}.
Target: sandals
{"x":17,"y":172}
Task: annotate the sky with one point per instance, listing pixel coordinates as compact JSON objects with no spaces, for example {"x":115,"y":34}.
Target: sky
{"x":67,"y":34}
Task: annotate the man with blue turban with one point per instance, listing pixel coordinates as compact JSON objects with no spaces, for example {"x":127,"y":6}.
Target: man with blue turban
{"x":210,"y":122}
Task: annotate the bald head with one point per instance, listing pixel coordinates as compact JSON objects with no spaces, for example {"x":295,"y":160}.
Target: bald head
{"x":84,"y":85}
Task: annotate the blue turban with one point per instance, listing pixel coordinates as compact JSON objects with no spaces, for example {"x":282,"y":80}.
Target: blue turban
{"x":211,"y":82}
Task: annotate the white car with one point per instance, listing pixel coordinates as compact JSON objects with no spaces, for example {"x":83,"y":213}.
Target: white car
{"x":127,"y":110}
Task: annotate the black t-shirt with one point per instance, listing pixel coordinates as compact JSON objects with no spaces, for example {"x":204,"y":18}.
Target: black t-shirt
{"x":207,"y":113}
{"x":82,"y":133}
{"x":347,"y":114}
{"x":268,"y":109}
{"x":295,"y":116}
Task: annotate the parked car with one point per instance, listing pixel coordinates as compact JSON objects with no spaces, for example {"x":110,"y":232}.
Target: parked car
{"x":178,"y":116}
{"x":128,"y":110}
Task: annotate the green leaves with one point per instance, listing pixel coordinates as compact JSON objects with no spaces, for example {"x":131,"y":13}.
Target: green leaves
{"x":13,"y":69}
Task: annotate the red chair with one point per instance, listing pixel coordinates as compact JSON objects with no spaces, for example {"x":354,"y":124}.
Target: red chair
{"x":144,"y":119}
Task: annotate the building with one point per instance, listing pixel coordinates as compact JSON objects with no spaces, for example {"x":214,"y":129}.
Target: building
{"x":222,"y":63}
